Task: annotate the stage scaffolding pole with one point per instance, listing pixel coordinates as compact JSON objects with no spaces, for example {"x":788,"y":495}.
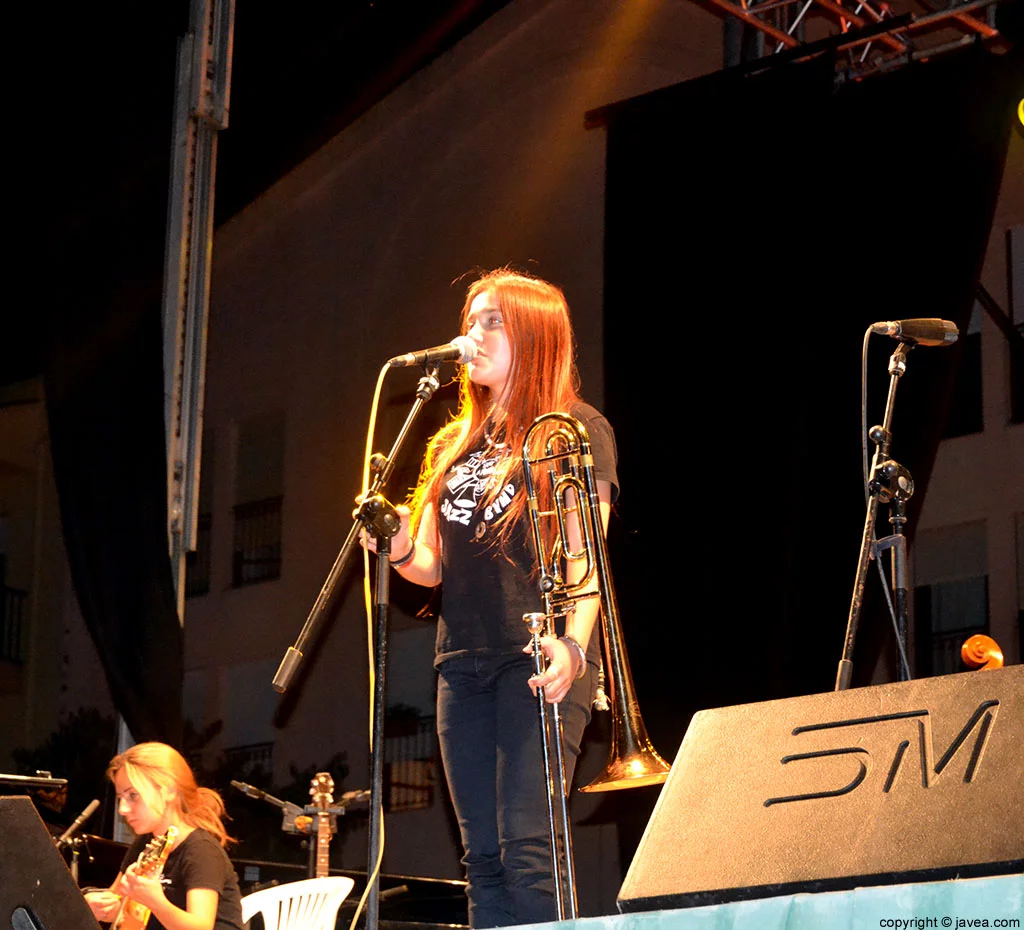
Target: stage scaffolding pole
{"x":200,"y":112}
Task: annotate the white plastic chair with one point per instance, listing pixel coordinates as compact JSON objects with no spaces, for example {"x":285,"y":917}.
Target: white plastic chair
{"x":311,"y":904}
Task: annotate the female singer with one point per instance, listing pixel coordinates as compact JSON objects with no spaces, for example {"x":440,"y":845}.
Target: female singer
{"x":468,"y":526}
{"x":199,"y":889}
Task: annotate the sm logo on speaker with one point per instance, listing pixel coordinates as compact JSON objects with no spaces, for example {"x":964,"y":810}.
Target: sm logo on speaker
{"x":810,"y":768}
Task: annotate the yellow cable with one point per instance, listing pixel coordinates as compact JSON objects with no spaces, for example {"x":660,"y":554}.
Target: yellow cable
{"x":368,"y":601}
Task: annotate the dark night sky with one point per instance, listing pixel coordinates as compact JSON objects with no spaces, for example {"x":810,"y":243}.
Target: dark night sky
{"x":98,"y":102}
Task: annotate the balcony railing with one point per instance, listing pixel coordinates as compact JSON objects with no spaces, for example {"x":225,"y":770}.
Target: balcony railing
{"x":242,"y":761}
{"x":257,"y":545}
{"x":12,"y":622}
{"x":410,"y":762}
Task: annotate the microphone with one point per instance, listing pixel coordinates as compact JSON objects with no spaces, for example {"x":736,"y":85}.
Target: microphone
{"x":460,"y":350}
{"x":77,"y":823}
{"x":259,"y":794}
{"x":926,"y":332}
{"x":246,"y":789}
{"x":249,"y":790}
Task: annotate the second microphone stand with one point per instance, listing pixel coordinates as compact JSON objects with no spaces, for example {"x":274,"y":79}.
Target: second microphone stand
{"x":379,"y":518}
{"x":888,"y":483}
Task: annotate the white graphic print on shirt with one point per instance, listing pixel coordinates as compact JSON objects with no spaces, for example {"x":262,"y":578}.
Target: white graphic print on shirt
{"x":469,"y":482}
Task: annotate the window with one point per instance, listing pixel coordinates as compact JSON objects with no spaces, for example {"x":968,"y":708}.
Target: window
{"x":1019,"y":523}
{"x":248,"y":760}
{"x":966,"y":410}
{"x":410,"y":754}
{"x":949,"y":612}
{"x":410,"y":741}
{"x":1015,"y":288}
{"x":198,"y":563}
{"x":256,"y":553}
{"x":259,"y":496}
{"x":950,"y":595}
{"x":247,"y":705}
{"x":12,"y":607}
{"x":12,"y":620}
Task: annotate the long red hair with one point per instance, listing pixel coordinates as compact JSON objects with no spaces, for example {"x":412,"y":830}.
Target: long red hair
{"x":152,"y":767}
{"x":542,"y":378}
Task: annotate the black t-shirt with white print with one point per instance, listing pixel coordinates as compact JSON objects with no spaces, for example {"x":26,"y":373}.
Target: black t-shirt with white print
{"x":198,"y":861}
{"x":487,"y":589}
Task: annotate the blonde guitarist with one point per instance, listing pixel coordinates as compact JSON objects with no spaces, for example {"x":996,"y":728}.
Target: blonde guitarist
{"x":176,"y":875}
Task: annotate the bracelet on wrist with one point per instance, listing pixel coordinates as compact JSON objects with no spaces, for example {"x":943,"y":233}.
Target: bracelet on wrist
{"x":407,"y":558}
{"x":578,"y":650}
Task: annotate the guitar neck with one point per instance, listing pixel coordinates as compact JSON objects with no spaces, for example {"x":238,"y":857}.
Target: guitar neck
{"x":323,"y":844}
{"x":132,"y":915}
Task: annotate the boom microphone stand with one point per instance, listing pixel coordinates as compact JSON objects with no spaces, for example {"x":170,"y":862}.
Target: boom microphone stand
{"x":889,"y":483}
{"x":77,"y":843}
{"x":378,"y":517}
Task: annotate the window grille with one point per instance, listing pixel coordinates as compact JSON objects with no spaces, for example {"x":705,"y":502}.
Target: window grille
{"x":945,"y":614}
{"x":12,"y":619}
{"x":244,"y":760}
{"x":197,"y":564}
{"x":410,"y":763}
{"x":257,"y":541}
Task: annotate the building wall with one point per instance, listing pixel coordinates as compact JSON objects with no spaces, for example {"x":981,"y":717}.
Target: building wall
{"x":980,"y":477}
{"x":479,"y":160}
{"x":59,"y":670}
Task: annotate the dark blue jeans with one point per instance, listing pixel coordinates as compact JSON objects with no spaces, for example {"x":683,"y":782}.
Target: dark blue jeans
{"x":487,"y":723}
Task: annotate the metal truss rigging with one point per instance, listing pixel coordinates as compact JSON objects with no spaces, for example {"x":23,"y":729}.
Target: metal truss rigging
{"x":870,"y":35}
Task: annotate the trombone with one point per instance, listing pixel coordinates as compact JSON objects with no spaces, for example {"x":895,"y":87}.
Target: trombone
{"x":558,"y":445}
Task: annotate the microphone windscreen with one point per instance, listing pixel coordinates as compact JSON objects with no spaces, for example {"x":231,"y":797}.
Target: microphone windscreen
{"x":468,"y":348}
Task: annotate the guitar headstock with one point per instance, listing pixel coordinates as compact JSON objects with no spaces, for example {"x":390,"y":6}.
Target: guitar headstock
{"x":321,"y":790}
{"x":152,"y":858}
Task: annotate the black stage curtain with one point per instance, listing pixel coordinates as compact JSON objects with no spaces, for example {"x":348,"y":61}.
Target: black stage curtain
{"x":102,"y":191}
{"x":755,"y":227}
{"x":104,"y":394}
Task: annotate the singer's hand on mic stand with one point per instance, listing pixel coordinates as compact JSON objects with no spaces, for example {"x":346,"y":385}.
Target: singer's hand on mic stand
{"x":416,"y":559}
{"x":400,"y":542}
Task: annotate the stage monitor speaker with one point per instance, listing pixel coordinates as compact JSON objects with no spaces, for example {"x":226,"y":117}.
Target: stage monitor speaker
{"x":37,"y":891}
{"x":916,"y":781}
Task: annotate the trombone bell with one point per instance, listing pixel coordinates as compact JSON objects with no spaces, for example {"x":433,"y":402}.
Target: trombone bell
{"x":634,"y":769}
{"x":633,"y":762}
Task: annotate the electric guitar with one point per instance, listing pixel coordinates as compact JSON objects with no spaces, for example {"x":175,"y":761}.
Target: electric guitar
{"x":320,"y":790}
{"x":132,"y":915}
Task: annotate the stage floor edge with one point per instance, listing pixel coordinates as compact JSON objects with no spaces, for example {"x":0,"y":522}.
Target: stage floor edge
{"x":957,"y":904}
